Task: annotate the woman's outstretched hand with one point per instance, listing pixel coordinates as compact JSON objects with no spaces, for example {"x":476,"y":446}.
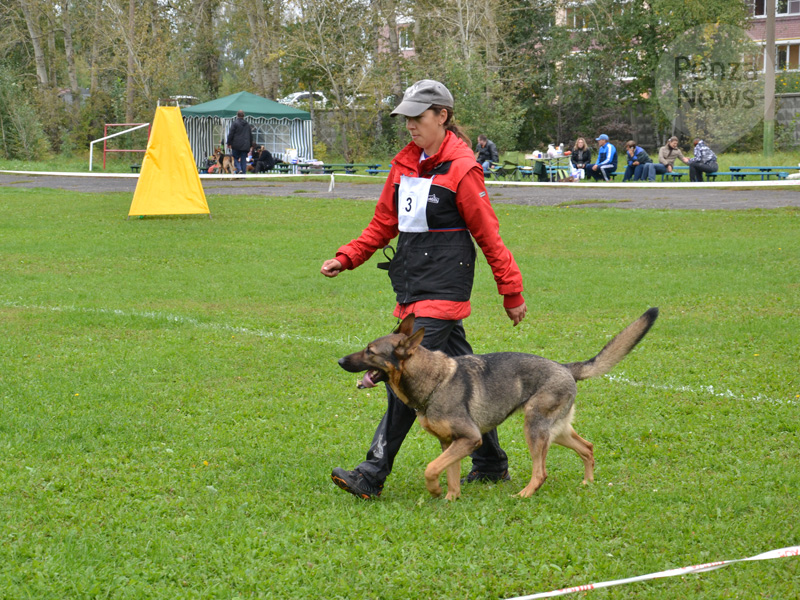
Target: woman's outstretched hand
{"x":332,"y":267}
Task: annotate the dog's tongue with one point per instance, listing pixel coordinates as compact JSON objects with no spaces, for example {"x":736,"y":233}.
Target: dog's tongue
{"x":366,"y":381}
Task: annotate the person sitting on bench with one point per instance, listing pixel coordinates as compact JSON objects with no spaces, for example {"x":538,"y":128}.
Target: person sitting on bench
{"x":606,"y":160}
{"x":667,"y":155}
{"x":704,"y":161}
{"x":264,"y":162}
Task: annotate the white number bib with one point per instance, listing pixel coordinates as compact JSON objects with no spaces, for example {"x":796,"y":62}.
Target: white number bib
{"x":412,"y":202}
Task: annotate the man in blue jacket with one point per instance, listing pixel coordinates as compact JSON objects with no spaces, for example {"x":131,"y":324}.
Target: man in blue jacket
{"x":640,"y":165}
{"x":606,"y":160}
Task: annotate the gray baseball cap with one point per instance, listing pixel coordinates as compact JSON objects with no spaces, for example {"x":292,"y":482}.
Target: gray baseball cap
{"x":421,"y":96}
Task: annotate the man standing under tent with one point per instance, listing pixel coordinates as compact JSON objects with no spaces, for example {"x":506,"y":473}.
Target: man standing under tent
{"x":240,"y":140}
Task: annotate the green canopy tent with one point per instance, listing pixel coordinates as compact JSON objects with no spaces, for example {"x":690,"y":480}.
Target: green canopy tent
{"x":276,"y":126}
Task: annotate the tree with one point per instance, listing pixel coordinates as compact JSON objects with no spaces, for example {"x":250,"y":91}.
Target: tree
{"x":331,"y":44}
{"x":32,"y":13}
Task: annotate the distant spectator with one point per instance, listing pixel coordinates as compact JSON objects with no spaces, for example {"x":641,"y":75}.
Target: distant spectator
{"x":704,"y":161}
{"x":486,"y":153}
{"x":667,"y":155}
{"x":240,"y":140}
{"x":640,"y":165}
{"x":606,"y":159}
{"x":252,"y":155}
{"x":580,"y":159}
{"x":264,"y":162}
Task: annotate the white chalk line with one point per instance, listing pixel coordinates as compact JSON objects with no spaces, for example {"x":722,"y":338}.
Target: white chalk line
{"x":191,"y":321}
{"x":355,"y":341}
{"x":791,"y":551}
{"x":702,"y":390}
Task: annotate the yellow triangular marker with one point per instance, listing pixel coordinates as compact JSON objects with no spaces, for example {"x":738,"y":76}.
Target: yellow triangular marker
{"x":168,"y":183}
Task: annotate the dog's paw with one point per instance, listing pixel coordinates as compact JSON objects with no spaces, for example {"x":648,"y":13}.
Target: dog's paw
{"x":451,"y":496}
{"x":434,"y":489}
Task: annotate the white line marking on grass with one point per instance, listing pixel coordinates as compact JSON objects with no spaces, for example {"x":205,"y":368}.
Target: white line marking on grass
{"x":357,"y":341}
{"x":159,"y":316}
{"x":702,"y":390}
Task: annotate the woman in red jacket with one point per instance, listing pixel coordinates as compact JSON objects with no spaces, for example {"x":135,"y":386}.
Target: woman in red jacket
{"x":435,"y":200}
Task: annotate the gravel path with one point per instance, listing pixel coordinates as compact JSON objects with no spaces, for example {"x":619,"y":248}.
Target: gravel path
{"x":617,"y":195}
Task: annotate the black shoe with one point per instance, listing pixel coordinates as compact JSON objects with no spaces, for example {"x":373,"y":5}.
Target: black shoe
{"x":355,"y":483}
{"x":486,"y":476}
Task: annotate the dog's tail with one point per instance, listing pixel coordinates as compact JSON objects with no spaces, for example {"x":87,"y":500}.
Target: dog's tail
{"x":616,"y":349}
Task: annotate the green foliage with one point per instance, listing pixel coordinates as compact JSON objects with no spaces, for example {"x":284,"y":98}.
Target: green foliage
{"x":483,"y":106}
{"x":93,"y":115}
{"x":787,"y":83}
{"x":22,"y":134}
{"x":522,"y":75}
{"x":320,"y":150}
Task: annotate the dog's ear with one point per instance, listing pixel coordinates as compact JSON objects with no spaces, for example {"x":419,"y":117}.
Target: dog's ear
{"x":407,"y":346}
{"x":406,"y":326}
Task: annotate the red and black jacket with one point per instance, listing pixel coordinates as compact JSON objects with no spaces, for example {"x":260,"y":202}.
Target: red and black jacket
{"x":433,"y":269}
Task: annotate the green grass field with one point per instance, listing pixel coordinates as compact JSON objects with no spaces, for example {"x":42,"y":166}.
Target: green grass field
{"x":171,"y":407}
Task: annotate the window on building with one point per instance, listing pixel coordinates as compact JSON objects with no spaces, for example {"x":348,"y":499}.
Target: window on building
{"x":787,"y":57}
{"x":577,"y":17}
{"x":405,"y":37}
{"x":787,"y":7}
{"x":782,"y":7}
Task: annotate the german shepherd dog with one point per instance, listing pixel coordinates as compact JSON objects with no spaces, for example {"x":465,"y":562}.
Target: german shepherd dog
{"x":225,"y":162}
{"x":458,"y":399}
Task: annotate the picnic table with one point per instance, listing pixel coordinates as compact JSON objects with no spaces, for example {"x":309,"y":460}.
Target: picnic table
{"x":553,"y":168}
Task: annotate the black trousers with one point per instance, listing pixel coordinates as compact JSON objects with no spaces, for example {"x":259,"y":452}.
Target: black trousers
{"x":696,"y":170}
{"x":601,"y":173}
{"x":450,"y":338}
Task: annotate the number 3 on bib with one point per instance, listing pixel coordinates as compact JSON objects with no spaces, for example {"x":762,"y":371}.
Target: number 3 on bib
{"x":412,"y":210}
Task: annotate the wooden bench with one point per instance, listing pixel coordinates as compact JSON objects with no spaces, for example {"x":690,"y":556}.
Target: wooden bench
{"x":350,"y":168}
{"x":135,"y":168}
{"x":309,"y":168}
{"x":766,"y":169}
{"x":740,"y":175}
{"x":327,"y":169}
{"x":673,"y":175}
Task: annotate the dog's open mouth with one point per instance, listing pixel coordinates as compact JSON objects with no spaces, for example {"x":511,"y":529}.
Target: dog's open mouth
{"x":371,"y":379}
